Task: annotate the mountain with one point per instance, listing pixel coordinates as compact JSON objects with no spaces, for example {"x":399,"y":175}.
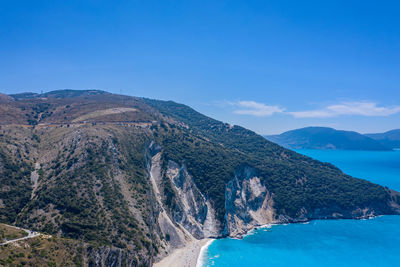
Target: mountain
{"x":389,"y":139}
{"x":325,"y":138}
{"x":123,"y":181}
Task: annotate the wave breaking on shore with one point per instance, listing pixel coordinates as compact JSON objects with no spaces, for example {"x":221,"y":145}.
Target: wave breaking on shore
{"x":202,"y":255}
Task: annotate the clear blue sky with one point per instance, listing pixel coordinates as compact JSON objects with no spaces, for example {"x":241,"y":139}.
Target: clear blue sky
{"x":270,"y":66}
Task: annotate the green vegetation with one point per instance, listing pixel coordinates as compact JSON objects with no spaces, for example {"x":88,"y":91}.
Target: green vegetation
{"x":214,"y":151}
{"x":8,"y":233}
{"x":15,"y":183}
{"x":83,"y":199}
{"x":93,"y":191}
{"x":42,"y":252}
{"x":326,"y":138}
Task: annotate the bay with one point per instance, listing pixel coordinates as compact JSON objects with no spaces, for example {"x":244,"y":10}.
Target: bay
{"x":374,"y":242}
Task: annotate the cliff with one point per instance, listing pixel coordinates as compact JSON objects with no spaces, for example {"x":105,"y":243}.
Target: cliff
{"x":131,"y":179}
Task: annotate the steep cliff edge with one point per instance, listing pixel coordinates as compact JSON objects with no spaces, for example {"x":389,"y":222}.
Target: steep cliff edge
{"x":248,"y":204}
{"x":132,"y":179}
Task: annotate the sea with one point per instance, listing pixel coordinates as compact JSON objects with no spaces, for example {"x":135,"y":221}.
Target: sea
{"x":372,"y":242}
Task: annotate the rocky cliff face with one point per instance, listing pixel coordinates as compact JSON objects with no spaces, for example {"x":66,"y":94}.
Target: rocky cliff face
{"x":248,"y":203}
{"x":110,"y":257}
{"x":131,"y":179}
{"x":191,"y":216}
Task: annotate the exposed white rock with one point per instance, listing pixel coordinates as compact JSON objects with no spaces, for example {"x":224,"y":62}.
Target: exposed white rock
{"x":196,"y":213}
{"x":248,"y":204}
{"x":177,"y":236}
{"x":35,"y":179}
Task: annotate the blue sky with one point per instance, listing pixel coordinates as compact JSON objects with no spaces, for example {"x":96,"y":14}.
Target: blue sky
{"x":270,"y":66}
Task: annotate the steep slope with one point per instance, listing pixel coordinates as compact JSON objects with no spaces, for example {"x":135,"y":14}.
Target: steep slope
{"x":389,"y":139}
{"x":325,"y":138}
{"x":131,"y":179}
{"x":302,"y":188}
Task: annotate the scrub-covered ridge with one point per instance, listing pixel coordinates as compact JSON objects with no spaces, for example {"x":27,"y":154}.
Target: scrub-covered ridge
{"x":127,"y":180}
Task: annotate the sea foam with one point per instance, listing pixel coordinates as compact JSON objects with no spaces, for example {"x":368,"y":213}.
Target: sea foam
{"x":202,"y":255}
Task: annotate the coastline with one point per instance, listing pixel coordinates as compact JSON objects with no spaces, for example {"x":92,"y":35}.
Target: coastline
{"x":188,"y":256}
{"x":200,"y":258}
{"x":307,"y":221}
{"x":192,"y":254}
{"x":337,"y":235}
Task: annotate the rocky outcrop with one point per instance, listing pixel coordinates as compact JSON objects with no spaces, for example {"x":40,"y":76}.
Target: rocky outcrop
{"x":248,"y":203}
{"x":193,"y":210}
{"x":336,"y":212}
{"x":174,"y":234}
{"x":111,"y":257}
{"x":192,"y":216}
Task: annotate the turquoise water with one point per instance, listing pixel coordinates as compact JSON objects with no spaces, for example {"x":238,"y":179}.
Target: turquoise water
{"x":381,"y":167}
{"x":374,"y":242}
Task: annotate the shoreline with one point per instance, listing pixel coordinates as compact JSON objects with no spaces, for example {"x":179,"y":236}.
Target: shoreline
{"x":191,"y":255}
{"x":200,"y":258}
{"x":269,"y":225}
{"x":188,"y":256}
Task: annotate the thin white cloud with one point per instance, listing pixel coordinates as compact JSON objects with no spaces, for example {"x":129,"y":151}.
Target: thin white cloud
{"x":366,"y":108}
{"x":369,"y":109}
{"x":256,"y":109}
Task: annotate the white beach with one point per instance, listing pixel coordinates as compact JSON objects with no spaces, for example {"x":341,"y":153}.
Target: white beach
{"x":186,"y":256}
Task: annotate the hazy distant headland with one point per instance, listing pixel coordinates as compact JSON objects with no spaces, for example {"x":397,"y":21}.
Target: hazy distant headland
{"x":329,"y":138}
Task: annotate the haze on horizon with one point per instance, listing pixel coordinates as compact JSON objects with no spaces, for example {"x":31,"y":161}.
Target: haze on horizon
{"x":270,"y":66}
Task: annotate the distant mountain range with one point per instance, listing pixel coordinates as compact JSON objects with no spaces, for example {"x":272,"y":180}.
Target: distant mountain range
{"x":329,"y":138}
{"x":389,"y":139}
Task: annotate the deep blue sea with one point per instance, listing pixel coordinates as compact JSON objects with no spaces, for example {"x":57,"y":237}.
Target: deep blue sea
{"x":374,"y":242}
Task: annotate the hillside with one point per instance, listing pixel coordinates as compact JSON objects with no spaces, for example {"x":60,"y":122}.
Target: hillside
{"x":389,"y":139}
{"x":128,"y":180}
{"x":325,"y":138}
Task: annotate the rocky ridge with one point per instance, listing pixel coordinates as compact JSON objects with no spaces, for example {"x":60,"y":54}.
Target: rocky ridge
{"x":132,"y":179}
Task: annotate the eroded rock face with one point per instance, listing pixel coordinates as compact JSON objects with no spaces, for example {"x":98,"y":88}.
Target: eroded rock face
{"x":193,"y":211}
{"x":175,"y":235}
{"x":247,"y":202}
{"x":192,"y":216}
{"x":178,"y":226}
{"x":111,"y":257}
